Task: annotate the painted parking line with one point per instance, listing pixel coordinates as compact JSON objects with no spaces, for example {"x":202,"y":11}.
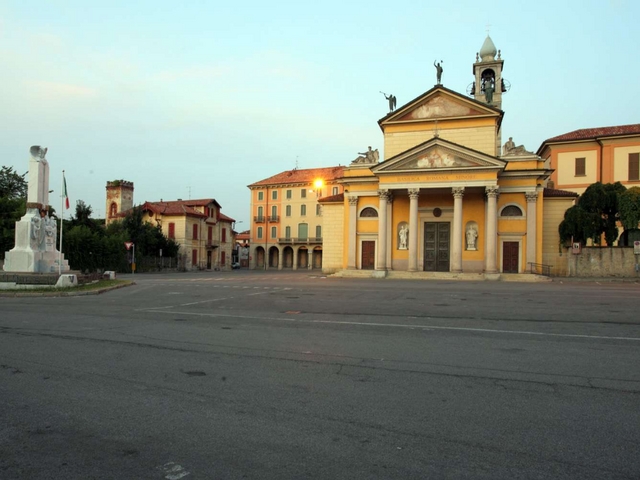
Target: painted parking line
{"x":397,"y":325}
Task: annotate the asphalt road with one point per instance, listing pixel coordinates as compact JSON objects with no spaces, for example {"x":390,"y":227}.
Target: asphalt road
{"x":280,"y":375}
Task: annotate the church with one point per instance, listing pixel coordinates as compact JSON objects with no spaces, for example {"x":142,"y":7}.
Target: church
{"x":448,"y":196}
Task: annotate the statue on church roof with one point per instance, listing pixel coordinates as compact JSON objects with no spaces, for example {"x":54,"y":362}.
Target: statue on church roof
{"x":510,"y":148}
{"x":392,"y":100}
{"x":439,"y":70}
{"x":370,"y":156}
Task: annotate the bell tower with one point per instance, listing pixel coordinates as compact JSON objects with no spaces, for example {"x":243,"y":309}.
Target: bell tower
{"x":487,"y":70}
{"x":489,"y":85}
{"x":119,"y":199}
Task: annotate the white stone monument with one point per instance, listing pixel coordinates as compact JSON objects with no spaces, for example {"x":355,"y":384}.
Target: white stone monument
{"x":36,"y":233}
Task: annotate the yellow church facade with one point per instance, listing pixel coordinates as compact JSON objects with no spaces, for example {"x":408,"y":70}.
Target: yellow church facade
{"x":448,"y":196}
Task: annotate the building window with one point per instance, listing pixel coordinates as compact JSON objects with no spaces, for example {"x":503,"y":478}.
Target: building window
{"x":260,"y":213}
{"x":303,"y":193}
{"x":511,"y":211}
{"x":224,"y":235}
{"x":288,"y":210}
{"x":194,"y":257}
{"x":274,"y":195}
{"x":274,"y":233}
{"x":289,"y":194}
{"x":318,"y":231}
{"x":223,"y":258}
{"x":260,"y":196}
{"x":259,"y":232}
{"x":368,"y":212}
{"x":210,"y":234}
{"x":172,"y":230}
{"x":303,"y":210}
{"x":287,"y":232}
{"x":334,"y":191}
{"x":580,"y":167}
{"x":634,"y":166}
{"x":318,"y":209}
{"x":113,"y":210}
{"x":274,"y":212}
{"x":195,"y":231}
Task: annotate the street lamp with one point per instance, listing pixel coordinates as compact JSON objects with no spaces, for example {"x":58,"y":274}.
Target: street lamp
{"x":318,"y":184}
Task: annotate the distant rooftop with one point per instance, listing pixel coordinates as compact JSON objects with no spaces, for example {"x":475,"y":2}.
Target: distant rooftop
{"x":593,"y":133}
{"x":304,"y":176}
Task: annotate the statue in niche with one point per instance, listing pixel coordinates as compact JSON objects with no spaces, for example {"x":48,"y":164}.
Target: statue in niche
{"x":403,"y":234}
{"x":370,"y":156}
{"x":472,"y":237}
{"x":50,"y":233}
{"x":488,"y":91}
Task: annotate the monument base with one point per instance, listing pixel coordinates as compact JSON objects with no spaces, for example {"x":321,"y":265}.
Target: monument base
{"x":34,"y":262}
{"x":35,"y":250}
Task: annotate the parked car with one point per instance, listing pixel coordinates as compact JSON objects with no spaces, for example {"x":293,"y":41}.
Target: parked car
{"x":235,"y":265}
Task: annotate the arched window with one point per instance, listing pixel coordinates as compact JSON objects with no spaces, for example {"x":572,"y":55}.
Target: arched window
{"x":511,"y":211}
{"x":113,"y":209}
{"x":368,"y":212}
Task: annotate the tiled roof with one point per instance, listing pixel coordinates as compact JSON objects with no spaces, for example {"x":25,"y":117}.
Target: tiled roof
{"x":177,"y":207}
{"x":224,"y":218}
{"x":552,"y":192}
{"x":305,"y":176}
{"x":593,"y":133}
{"x":333,"y":199}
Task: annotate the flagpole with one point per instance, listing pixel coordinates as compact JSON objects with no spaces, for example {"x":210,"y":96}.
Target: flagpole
{"x":61,"y":224}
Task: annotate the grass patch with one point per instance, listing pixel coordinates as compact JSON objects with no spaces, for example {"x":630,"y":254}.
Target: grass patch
{"x":87,"y":287}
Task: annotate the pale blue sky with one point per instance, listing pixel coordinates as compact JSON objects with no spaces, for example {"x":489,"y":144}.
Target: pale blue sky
{"x":206,"y":97}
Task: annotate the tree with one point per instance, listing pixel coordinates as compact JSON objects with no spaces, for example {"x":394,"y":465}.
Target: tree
{"x":83,"y":216}
{"x":629,"y":205}
{"x":601,"y":199}
{"x":12,"y":185}
{"x":13,"y":198}
{"x":579,"y":225}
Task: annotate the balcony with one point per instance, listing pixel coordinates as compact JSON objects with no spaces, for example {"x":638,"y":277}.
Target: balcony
{"x":258,"y":219}
{"x":212,"y":244}
{"x":300,"y":241}
{"x":274,"y":218}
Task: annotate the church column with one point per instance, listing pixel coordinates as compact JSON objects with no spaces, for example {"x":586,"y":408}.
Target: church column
{"x":532,"y":198}
{"x":353,"y":220}
{"x":492,"y":229}
{"x":295,"y":257}
{"x":456,"y":238}
{"x":390,"y":232}
{"x":382,"y":230}
{"x":414,"y":193}
{"x":280,"y":259}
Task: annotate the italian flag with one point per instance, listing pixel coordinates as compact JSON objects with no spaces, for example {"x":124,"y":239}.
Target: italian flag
{"x":64,"y":192}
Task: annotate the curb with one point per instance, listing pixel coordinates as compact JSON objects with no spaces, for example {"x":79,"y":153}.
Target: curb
{"x":65,"y":293}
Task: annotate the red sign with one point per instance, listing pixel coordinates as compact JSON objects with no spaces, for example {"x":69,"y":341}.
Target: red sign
{"x":128,"y":245}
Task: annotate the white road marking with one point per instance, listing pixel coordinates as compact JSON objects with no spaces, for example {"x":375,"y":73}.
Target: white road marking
{"x":156,"y":309}
{"x":399,"y":325}
{"x":173,"y":471}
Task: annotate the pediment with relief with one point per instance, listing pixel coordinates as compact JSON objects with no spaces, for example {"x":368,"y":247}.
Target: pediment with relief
{"x":439,"y":157}
{"x":440,"y":106}
{"x":439,"y":154}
